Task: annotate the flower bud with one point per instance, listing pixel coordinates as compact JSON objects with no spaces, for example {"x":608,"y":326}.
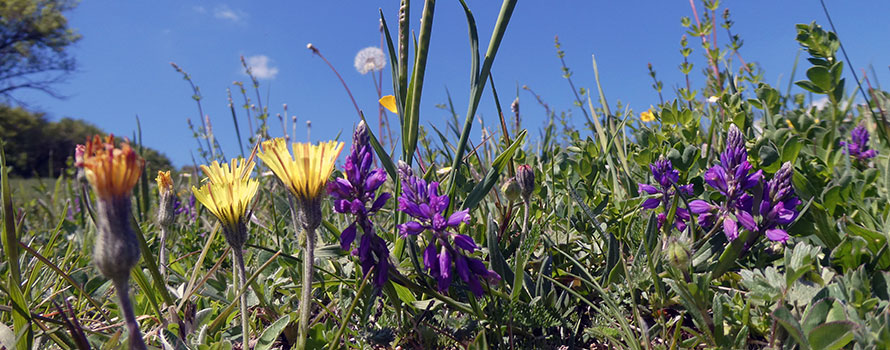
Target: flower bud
{"x":677,"y":253}
{"x":511,"y":190}
{"x":525,"y":177}
{"x":166,"y":198}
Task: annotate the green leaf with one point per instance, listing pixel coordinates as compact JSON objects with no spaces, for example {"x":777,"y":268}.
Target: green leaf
{"x":820,"y":77}
{"x":769,"y":157}
{"x":816,"y":314}
{"x":809,"y":86}
{"x":784,"y":317}
{"x":267,"y":339}
{"x":832,"y":335}
{"x":791,"y":149}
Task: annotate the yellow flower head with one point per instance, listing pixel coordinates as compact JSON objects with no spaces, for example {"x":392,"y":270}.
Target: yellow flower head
{"x":647,"y":116}
{"x":306,"y":172}
{"x":227,"y":191}
{"x":112,"y":171}
{"x":165,"y":183}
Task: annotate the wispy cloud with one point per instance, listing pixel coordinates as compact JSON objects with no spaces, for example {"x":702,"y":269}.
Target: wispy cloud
{"x":261,"y":67}
{"x":199,"y":9}
{"x":225,"y":12}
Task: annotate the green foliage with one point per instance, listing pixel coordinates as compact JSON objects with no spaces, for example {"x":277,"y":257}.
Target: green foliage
{"x":582,"y":264}
{"x":34,"y":36}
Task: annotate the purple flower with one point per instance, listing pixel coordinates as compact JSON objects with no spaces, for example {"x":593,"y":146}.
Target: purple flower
{"x":732,"y":178}
{"x":858,"y":145}
{"x":665,"y":177}
{"x":778,"y":205}
{"x":446,"y":254}
{"x":357,"y":195}
{"x":187,"y":209}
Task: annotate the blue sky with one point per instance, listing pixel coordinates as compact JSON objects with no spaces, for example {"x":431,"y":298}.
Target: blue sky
{"x":127,"y":46}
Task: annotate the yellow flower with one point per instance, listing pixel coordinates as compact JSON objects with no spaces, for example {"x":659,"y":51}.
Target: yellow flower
{"x":307,"y":171}
{"x":790,"y":126}
{"x":165,"y":183}
{"x":227,"y":191}
{"x":112,"y":171}
{"x":389,"y":101}
{"x":647,"y":116}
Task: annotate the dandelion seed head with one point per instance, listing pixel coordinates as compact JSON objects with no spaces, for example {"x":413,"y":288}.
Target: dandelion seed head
{"x":369,"y":59}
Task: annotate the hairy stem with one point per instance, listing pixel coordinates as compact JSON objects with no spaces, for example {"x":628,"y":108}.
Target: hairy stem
{"x":162,"y":256}
{"x":306,"y":292}
{"x":122,"y":287}
{"x":242,"y":279}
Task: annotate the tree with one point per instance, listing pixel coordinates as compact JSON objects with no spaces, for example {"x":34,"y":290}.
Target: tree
{"x":34,"y":36}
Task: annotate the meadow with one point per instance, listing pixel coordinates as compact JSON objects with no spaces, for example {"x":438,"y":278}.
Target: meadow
{"x":734,"y":215}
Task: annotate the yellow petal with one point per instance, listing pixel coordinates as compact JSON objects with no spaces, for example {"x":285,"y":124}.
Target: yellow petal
{"x":389,"y":102}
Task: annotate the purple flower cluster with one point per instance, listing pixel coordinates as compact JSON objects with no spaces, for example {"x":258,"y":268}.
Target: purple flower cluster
{"x":778,"y":204}
{"x":352,"y":195}
{"x":188,"y":209}
{"x":422,"y":202}
{"x":666,"y":177}
{"x":734,"y":179}
{"x":858,"y":145}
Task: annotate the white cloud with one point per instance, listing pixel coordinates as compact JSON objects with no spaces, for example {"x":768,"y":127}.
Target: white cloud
{"x":260,"y":66}
{"x":820,"y":103}
{"x":200,"y":9}
{"x":225,"y":12}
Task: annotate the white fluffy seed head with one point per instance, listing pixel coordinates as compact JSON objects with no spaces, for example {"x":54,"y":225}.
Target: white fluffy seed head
{"x":369,"y":59}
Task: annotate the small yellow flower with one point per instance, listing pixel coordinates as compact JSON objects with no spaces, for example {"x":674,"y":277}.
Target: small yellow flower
{"x":647,"y":116}
{"x":165,"y":183}
{"x":389,"y":101}
{"x":227,"y":191}
{"x":111,"y":171}
{"x":790,"y":126}
{"x":307,"y":171}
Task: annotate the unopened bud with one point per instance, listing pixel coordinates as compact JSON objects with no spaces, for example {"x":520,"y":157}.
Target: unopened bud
{"x":511,"y":190}
{"x":166,"y":196}
{"x":677,"y":253}
{"x":525,"y":178}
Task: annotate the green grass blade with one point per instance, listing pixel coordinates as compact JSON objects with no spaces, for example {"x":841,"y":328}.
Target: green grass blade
{"x":412,"y":116}
{"x":476,"y":90}
{"x":21,"y":316}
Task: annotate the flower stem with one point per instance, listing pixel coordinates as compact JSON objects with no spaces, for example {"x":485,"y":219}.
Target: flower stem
{"x":162,"y":255}
{"x":242,"y":279}
{"x":306,"y":292}
{"x":121,"y":285}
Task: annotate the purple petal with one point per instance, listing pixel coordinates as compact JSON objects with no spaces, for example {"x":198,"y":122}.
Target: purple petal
{"x":430,"y":260}
{"x":699,"y":206}
{"x":465,"y":242}
{"x":460,"y":265}
{"x":475,"y":287}
{"x":730,"y":229}
{"x":375,"y":179}
{"x":777,"y":235}
{"x":380,"y":201}
{"x":752,"y":180}
{"x":445,"y":262}
{"x":477,"y":266}
{"x":716,"y":177}
{"x":347,"y":236}
{"x":459,"y":217}
{"x":342,"y":206}
{"x":686,"y":190}
{"x":746,"y":219}
{"x":411,"y":228}
{"x":651,"y":203}
{"x":647,"y":188}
